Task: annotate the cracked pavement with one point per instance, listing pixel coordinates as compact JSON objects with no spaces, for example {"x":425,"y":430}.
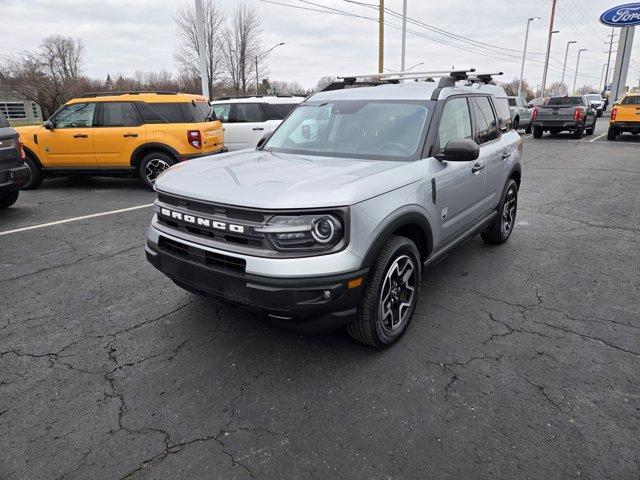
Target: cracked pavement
{"x":522,"y":361}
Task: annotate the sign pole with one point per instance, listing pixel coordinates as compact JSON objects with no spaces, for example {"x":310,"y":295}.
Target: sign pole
{"x":625,"y":44}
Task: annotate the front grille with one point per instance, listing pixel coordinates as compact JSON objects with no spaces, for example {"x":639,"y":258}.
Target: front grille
{"x":195,"y":206}
{"x":218,"y":261}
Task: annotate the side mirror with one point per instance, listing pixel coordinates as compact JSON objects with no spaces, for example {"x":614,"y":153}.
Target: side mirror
{"x":464,"y":150}
{"x":263,"y":140}
{"x":48,"y":125}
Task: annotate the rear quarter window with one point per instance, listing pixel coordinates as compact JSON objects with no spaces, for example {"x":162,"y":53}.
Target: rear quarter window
{"x":163,"y":112}
{"x":278,"y":111}
{"x":503,"y":112}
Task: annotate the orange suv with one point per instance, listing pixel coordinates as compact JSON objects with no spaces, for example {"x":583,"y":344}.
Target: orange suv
{"x":121,"y":134}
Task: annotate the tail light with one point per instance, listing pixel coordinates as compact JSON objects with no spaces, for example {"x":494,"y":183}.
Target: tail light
{"x":577,"y":113}
{"x":614,"y":113}
{"x":23,"y":155}
{"x":194,"y":138}
{"x":534,"y":113}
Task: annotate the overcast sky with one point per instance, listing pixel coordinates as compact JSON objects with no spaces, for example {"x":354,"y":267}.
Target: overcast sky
{"x":122,"y":36}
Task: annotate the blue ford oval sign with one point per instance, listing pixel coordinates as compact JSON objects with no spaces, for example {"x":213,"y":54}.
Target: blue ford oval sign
{"x":622,"y":16}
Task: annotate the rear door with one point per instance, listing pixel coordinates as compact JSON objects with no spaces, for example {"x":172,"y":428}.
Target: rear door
{"x":223,"y":113}
{"x":459,"y":185}
{"x":9,"y":147}
{"x":247,"y":124}
{"x":119,"y":131}
{"x":70,"y":142}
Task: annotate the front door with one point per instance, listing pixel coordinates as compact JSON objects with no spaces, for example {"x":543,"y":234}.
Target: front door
{"x":459,"y":185}
{"x":70,"y":141}
{"x":118,"y":133}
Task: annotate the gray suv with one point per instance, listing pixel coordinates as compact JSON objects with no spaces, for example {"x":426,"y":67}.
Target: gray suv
{"x":331,"y":221}
{"x":14,"y":173}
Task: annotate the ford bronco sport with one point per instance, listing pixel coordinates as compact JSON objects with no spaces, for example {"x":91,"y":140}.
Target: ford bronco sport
{"x":331,"y":220}
{"x":121,"y":134}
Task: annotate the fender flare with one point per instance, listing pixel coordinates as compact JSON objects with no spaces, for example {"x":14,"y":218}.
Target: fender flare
{"x":393,"y":222}
{"x":152,"y":146}
{"x":33,"y":155}
{"x":516,"y":169}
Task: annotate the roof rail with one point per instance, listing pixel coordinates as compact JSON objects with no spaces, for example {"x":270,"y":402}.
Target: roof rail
{"x":485,"y":78}
{"x":231,"y":97}
{"x":131,"y":92}
{"x":406,"y":74}
{"x":375,"y":79}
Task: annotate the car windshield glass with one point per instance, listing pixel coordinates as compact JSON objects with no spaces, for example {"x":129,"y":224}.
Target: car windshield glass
{"x":375,"y":129}
{"x":512,"y":102}
{"x":631,"y":100}
{"x":594,"y":97}
{"x":565,"y":101}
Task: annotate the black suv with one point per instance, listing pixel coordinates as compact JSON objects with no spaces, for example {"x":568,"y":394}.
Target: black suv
{"x":13,"y":171}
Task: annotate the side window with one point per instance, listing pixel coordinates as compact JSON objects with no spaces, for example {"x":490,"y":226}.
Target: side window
{"x":455,"y":123}
{"x":119,"y":114}
{"x":78,"y":115}
{"x":3,"y":121}
{"x":277,"y":111}
{"x":161,"y":112}
{"x":248,"y":112}
{"x":486,"y":125}
{"x":504,"y":114}
{"x":222,"y":111}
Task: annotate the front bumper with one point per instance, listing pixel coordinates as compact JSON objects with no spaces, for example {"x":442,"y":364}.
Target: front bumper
{"x":306,"y":305}
{"x":13,"y":178}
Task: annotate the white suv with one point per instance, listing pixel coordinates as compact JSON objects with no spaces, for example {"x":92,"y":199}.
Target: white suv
{"x":247,"y":119}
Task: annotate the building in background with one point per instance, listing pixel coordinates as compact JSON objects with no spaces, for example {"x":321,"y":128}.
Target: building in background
{"x":17,"y":109}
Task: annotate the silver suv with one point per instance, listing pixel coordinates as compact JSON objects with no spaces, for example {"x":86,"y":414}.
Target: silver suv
{"x":331,"y":221}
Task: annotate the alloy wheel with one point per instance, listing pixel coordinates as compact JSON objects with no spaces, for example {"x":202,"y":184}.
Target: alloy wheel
{"x":397,"y":294}
{"x":509,"y":211}
{"x":154,"y":168}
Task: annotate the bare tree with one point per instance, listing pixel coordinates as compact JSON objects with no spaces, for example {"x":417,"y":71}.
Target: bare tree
{"x":325,"y":81}
{"x":512,"y":88}
{"x":241,"y":45}
{"x":586,"y":89}
{"x":62,"y":56}
{"x":188,"y":57}
{"x":557,"y":89}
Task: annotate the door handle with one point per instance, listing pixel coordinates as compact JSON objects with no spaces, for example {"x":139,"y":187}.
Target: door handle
{"x":505,"y":155}
{"x":477,"y":167}
{"x":258,"y":128}
{"x":130,"y":135}
{"x":80,"y":135}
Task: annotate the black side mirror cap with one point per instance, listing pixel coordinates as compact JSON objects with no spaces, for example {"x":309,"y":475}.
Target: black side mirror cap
{"x":464,"y":150}
{"x":262,"y":141}
{"x":48,"y":125}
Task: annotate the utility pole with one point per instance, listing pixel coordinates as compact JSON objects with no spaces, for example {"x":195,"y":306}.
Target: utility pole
{"x":524,"y":54}
{"x":202,"y":51}
{"x":575,"y":77}
{"x":566,"y":55}
{"x":257,"y":92}
{"x":604,"y":65}
{"x":381,"y":39}
{"x":404,"y":35}
{"x":606,"y":74}
{"x":546,"y":58}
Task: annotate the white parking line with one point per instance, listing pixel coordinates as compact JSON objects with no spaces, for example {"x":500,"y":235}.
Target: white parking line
{"x":596,"y":138}
{"x":526,"y":136}
{"x":75,"y":219}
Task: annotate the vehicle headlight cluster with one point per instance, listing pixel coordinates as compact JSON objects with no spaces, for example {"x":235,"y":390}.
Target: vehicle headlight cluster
{"x":304,"y":232}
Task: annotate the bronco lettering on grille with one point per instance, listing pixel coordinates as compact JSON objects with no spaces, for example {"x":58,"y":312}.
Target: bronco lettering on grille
{"x":201,"y":222}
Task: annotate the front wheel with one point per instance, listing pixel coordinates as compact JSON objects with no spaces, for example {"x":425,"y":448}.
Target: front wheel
{"x":500,"y":229}
{"x":391,"y":295}
{"x":591,"y":129}
{"x":528,"y":129}
{"x":537,"y":132}
{"x":516,"y":124}
{"x":152,"y":165}
{"x":9,"y":199}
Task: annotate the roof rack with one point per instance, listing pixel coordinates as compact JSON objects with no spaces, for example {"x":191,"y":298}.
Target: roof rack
{"x":126,"y":92}
{"x":485,"y":78}
{"x":231,"y":97}
{"x":375,"y":79}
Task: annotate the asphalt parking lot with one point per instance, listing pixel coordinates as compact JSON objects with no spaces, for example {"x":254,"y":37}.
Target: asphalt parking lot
{"x":522,"y":362}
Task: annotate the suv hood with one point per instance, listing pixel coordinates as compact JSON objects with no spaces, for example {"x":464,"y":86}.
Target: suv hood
{"x":261,"y":179}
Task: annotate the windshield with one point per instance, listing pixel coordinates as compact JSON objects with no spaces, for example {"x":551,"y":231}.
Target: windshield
{"x":375,"y":129}
{"x":631,"y":100}
{"x":565,"y":101}
{"x":595,"y":97}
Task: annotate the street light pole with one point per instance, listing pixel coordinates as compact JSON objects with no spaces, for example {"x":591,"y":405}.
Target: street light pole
{"x":524,"y":53}
{"x":606,"y":73}
{"x":546,"y":58}
{"x":566,"y":55}
{"x":381,"y":38}
{"x":202,"y":51}
{"x":575,"y":78}
{"x":404,"y":35}
{"x":260,"y":57}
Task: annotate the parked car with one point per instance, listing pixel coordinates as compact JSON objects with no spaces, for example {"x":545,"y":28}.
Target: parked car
{"x":558,"y":114}
{"x":331,"y":221}
{"x":13,"y":171}
{"x":520,"y":113}
{"x":597,"y":102}
{"x":247,"y":119}
{"x":121,"y":134}
{"x":625,"y":116}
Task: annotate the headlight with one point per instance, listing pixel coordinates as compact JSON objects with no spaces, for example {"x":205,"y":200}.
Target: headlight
{"x":303,"y":232}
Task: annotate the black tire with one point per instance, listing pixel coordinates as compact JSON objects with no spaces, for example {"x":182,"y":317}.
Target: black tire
{"x":9,"y":199}
{"x":516,"y":123}
{"x":612,"y":133}
{"x":577,"y":134}
{"x":592,"y":128}
{"x":500,"y":229}
{"x":528,"y":129}
{"x":396,"y":257}
{"x":152,"y":165}
{"x":35,"y":174}
{"x":537,"y":132}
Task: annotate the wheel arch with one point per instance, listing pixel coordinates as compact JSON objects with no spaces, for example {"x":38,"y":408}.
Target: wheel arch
{"x":33,"y":155}
{"x":516,"y":174}
{"x":138,"y":154}
{"x":412,"y":225}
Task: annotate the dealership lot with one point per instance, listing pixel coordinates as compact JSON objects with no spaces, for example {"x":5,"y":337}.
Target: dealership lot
{"x":523,"y":360}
